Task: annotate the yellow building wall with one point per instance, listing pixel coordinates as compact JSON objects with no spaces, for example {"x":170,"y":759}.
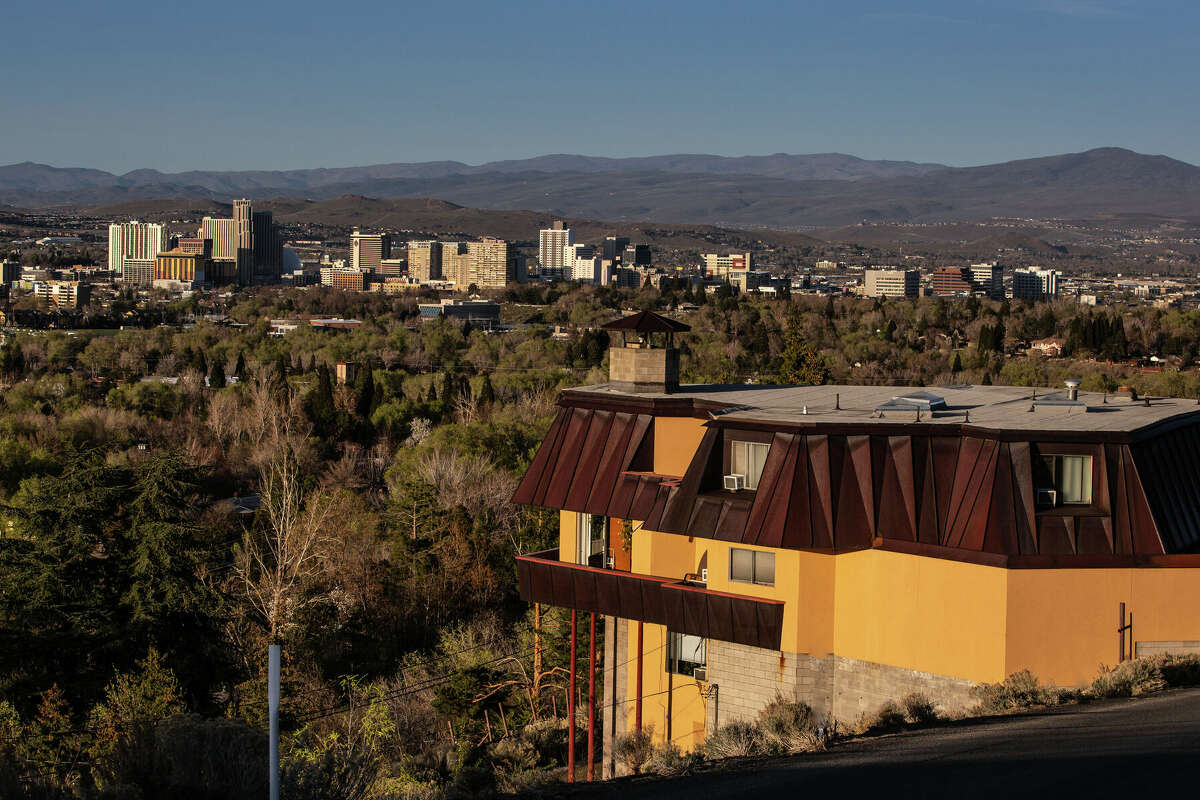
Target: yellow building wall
{"x":1062,"y":623}
{"x":568,"y":522}
{"x":803,"y":581}
{"x":688,"y":707}
{"x":919,"y":613}
{"x":675,"y":442}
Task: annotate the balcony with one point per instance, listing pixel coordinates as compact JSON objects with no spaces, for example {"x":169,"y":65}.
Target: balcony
{"x":681,"y":607}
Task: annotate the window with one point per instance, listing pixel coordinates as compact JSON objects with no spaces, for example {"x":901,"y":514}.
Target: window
{"x":589,"y":539}
{"x":1064,"y":480}
{"x":751,"y":566}
{"x":748,"y":458}
{"x":685,"y":653}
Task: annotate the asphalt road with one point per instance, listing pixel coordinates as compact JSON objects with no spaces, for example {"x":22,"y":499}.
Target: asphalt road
{"x":1124,"y":748}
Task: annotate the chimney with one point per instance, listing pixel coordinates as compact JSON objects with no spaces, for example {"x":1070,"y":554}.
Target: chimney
{"x":1072,"y":389}
{"x":642,"y":357}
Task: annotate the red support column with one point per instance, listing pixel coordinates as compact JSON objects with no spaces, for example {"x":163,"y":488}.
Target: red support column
{"x":637,"y":706}
{"x":591,"y":760}
{"x":571,"y":708}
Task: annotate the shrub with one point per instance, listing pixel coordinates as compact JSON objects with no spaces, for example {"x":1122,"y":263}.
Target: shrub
{"x":918,"y":709}
{"x":670,"y":761}
{"x":788,"y":726}
{"x":635,"y":749}
{"x":736,"y":739}
{"x":1145,"y":675}
{"x":1019,"y":690}
{"x":889,"y":717}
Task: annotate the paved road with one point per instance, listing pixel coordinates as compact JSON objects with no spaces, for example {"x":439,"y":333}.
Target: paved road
{"x":1126,"y":748}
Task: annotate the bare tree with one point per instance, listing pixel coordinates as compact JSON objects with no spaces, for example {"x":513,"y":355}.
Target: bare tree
{"x":277,"y":564}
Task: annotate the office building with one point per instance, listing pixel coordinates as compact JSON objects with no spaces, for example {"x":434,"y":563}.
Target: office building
{"x":480,"y":313}
{"x":343,"y":277}
{"x":891,"y":282}
{"x":728,"y":267}
{"x":138,"y":241}
{"x":884,"y":546}
{"x":613,"y":249}
{"x":367,"y":250}
{"x":951,"y":281}
{"x":636,"y":255}
{"x":580,"y":263}
{"x":138,"y":271}
{"x":243,"y":223}
{"x":425,"y":261}
{"x":10,"y":272}
{"x":392,"y":267}
{"x":1035,"y":283}
{"x":62,"y":294}
{"x":988,"y":280}
{"x":195,"y":246}
{"x":552,"y":247}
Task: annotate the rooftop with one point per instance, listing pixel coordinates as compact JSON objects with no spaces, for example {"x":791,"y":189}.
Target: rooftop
{"x":984,"y":408}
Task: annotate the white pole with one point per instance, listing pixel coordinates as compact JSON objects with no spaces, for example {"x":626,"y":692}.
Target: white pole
{"x":273,"y":710}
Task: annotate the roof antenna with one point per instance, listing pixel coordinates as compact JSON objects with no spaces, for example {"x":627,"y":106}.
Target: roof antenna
{"x":918,"y":414}
{"x":967,"y":416}
{"x":837,"y":401}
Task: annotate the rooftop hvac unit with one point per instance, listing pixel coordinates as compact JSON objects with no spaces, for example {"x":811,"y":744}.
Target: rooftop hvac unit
{"x":700,"y":674}
{"x":735,"y":482}
{"x":1047,"y":498}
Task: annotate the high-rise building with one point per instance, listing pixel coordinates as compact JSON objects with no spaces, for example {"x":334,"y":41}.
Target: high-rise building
{"x":730,"y":267}
{"x":179,"y":269}
{"x":580,"y":263}
{"x":636,"y":255}
{"x":10,"y":272}
{"x":367,"y":250}
{"x":425,"y":261}
{"x":392,"y":267}
{"x":223,"y":234}
{"x":891,"y":282}
{"x":196,"y":246}
{"x":950,"y":281}
{"x":63,"y":294}
{"x":490,"y":263}
{"x":456,"y":264}
{"x":243,"y":224}
{"x":268,"y":247}
{"x":139,"y":241}
{"x":988,"y":280}
{"x":1035,"y":283}
{"x":345,"y":278}
{"x":552,"y":244}
{"x":613,"y":249}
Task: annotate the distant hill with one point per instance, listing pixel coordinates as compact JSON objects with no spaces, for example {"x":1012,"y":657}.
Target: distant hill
{"x":779,"y":191}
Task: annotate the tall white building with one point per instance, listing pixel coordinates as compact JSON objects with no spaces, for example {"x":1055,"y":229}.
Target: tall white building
{"x":1035,"y":283}
{"x":135,"y":241}
{"x":367,"y":251}
{"x":552,"y":247}
{"x":581,"y":263}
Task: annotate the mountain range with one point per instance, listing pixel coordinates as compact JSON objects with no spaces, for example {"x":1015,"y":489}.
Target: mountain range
{"x":776,"y":191}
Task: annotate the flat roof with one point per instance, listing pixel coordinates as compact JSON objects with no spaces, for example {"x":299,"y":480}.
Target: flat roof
{"x":999,"y":408}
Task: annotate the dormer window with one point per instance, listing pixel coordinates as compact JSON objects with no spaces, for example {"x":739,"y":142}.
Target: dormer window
{"x":748,"y":459}
{"x":1063,"y":480}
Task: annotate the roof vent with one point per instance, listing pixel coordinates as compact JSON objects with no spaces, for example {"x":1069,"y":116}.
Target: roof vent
{"x":914,"y":401}
{"x":1072,"y":388}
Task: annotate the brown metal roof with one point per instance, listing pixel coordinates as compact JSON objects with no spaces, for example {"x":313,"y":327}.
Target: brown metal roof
{"x":681,"y":607}
{"x":646,"y":322}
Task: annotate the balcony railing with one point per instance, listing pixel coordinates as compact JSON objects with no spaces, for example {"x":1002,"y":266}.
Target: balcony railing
{"x":680,"y":606}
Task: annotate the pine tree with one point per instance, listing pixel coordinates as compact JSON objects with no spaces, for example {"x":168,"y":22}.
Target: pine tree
{"x":956,"y":365}
{"x":364,"y":388}
{"x":319,"y":403}
{"x":447,"y":387}
{"x":216,"y":379}
{"x":239,"y":369}
{"x":800,"y":362}
{"x":487,"y":394}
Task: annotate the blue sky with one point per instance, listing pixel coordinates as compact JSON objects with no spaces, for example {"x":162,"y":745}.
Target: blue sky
{"x":266,"y":85}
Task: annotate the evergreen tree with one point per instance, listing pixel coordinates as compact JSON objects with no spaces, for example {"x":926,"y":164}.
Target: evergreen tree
{"x":216,"y":379}
{"x":239,"y":369}
{"x":364,"y":389}
{"x":800,"y":362}
{"x":701,"y":294}
{"x":487,"y":394}
{"x":447,"y":388}
{"x":319,"y":404}
{"x":956,"y":365}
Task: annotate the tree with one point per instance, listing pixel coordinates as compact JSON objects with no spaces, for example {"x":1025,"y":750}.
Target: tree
{"x":800,"y":362}
{"x":280,"y":557}
{"x":956,"y":365}
{"x":216,"y":380}
{"x":320,"y":406}
{"x":239,"y":369}
{"x":487,"y":394}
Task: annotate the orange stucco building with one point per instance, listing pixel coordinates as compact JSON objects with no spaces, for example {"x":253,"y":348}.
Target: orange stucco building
{"x":848,"y":545}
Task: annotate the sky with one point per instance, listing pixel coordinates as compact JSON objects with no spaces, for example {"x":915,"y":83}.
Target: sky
{"x":257,"y":84}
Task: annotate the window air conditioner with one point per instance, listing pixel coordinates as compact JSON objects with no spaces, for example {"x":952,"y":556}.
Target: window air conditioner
{"x":700,"y":674}
{"x":1047,"y":497}
{"x":735,"y":482}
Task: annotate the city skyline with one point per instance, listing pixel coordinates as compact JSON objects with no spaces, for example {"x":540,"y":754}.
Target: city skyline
{"x":954,"y":83}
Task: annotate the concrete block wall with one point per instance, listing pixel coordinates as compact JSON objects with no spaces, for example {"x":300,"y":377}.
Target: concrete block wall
{"x":862,"y":687}
{"x":747,"y":678}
